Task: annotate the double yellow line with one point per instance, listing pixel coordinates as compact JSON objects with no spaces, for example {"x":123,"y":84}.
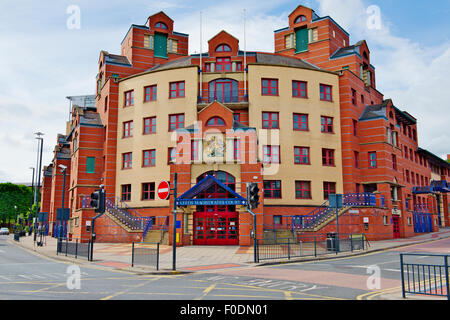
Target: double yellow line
{"x":423,"y":283}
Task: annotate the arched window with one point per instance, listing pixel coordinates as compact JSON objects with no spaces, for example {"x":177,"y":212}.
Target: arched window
{"x":215,"y":192}
{"x":301,"y":18}
{"x":223,"y":90}
{"x":215,"y":121}
{"x":161,"y":25}
{"x":223,"y":48}
{"x":365,"y":55}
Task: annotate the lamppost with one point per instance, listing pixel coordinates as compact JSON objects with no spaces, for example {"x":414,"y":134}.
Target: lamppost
{"x":30,"y":217}
{"x":63,"y":170}
{"x":15,"y":219}
{"x":38,"y":181}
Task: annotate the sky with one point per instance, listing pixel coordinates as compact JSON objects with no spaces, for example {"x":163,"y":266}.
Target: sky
{"x":47,"y":54}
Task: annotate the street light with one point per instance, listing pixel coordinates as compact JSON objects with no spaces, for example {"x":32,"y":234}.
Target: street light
{"x":38,"y":181}
{"x":31,"y":204}
{"x":15,"y":220}
{"x":63,"y":170}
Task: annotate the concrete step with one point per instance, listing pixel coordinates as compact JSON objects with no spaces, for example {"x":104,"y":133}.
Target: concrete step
{"x":154,"y":236}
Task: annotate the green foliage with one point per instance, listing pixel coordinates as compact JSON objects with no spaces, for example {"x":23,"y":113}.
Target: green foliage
{"x":14,"y":195}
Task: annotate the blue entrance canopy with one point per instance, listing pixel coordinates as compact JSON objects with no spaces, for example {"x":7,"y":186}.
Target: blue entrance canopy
{"x":435,"y":186}
{"x":188,"y":198}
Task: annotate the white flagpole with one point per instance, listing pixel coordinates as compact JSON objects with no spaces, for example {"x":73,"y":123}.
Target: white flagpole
{"x":245,"y":58}
{"x":201,"y":64}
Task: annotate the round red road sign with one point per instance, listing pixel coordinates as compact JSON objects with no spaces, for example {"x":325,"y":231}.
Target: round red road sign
{"x":163,"y":190}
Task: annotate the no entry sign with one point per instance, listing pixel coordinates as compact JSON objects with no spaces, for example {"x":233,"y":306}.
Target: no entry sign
{"x":163,"y":190}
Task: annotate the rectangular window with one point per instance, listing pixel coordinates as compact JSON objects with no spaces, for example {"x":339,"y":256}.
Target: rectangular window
{"x":176,"y":90}
{"x":172,"y":46}
{"x":326,"y":124}
{"x":237,"y":117}
{"x":129,"y":98}
{"x":289,"y":41}
{"x":407,"y":176}
{"x":299,"y":89}
{"x":328,"y":157}
{"x":372,"y":159}
{"x":303,"y":189}
{"x":356,"y":158}
{"x":194,"y":150}
{"x":236,"y":151}
{"x":150,"y":125}
{"x":148,"y":41}
{"x":328,"y":188}
{"x":176,"y":121}
{"x":313,"y":35}
{"x":150,"y":93}
{"x":355,"y":127}
{"x":149,"y":158}
{"x":270,"y":120}
{"x":171,"y":155}
{"x":271,"y":154}
{"x":394,"y":162}
{"x":354,"y":102}
{"x":128,"y":129}
{"x":90,"y":165}
{"x":272,"y":189}
{"x":148,"y":191}
{"x":301,"y":155}
{"x":223,"y":64}
{"x":269,"y":87}
{"x":325,"y":93}
{"x":277,"y":220}
{"x":126,"y":192}
{"x":301,"y":122}
{"x":127,"y":160}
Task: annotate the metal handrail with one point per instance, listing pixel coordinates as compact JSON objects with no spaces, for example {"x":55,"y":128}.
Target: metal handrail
{"x":232,"y":96}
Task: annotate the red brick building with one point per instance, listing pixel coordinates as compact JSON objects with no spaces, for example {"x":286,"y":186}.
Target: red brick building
{"x":347,"y":138}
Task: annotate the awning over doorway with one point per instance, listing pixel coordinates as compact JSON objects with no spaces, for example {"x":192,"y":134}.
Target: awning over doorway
{"x":189,"y":197}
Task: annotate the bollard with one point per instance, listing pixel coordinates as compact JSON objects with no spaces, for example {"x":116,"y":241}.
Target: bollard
{"x":132,"y":254}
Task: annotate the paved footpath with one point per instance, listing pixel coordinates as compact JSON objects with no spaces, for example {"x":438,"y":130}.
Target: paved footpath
{"x":203,"y":258}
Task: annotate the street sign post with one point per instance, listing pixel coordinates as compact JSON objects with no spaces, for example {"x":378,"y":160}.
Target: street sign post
{"x":163,"y":190}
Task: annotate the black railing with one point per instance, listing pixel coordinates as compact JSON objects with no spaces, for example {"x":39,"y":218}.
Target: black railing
{"x":145,"y":255}
{"x":76,"y":249}
{"x":232,"y":96}
{"x":431,"y":279}
{"x":309,"y":246}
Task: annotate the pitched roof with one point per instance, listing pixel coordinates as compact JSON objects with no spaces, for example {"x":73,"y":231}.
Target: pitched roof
{"x":375,"y":111}
{"x":275,"y":59}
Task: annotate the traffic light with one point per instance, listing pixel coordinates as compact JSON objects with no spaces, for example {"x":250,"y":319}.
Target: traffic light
{"x":253,"y":196}
{"x":98,"y":200}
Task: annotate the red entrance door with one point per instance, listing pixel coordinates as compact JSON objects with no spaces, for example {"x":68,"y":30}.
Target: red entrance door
{"x":216,"y":228}
{"x":216,"y":224}
{"x":396,"y":223}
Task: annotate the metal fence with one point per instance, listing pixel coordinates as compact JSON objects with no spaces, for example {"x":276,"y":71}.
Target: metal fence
{"x":308,"y":246}
{"x":431,"y":279}
{"x":76,"y":249}
{"x":145,"y":255}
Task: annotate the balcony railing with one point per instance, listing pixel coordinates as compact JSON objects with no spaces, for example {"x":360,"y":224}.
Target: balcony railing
{"x":232,"y":96}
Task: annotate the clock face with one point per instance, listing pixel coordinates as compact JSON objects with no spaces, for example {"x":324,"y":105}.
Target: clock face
{"x":214,"y":146}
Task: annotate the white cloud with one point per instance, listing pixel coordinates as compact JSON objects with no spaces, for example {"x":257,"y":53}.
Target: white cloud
{"x":413,"y":76}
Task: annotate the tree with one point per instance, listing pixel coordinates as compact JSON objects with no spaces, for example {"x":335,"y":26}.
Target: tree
{"x":13,"y":195}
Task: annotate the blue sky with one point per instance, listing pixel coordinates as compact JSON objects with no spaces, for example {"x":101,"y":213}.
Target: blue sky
{"x":42,"y":61}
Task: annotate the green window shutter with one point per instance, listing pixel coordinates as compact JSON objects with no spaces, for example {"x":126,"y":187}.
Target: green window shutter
{"x":301,"y":36}
{"x":90,"y":165}
{"x":160,"y":45}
